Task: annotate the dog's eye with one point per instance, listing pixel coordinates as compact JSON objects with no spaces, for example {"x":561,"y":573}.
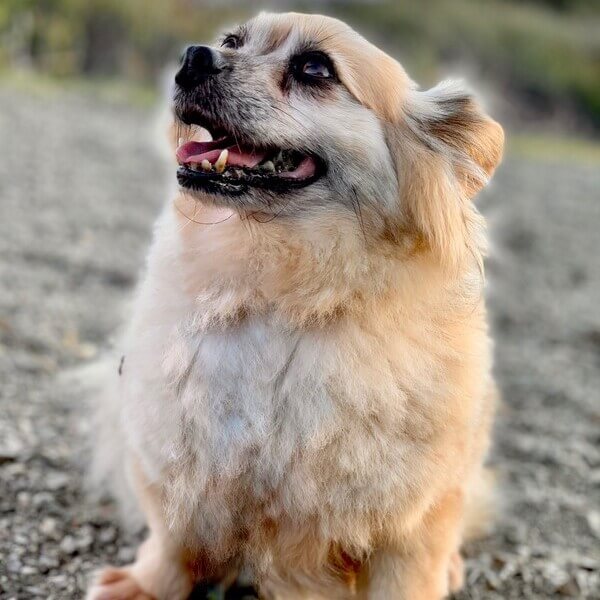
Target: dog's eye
{"x":316,"y":68}
{"x":313,"y":66}
{"x":231,"y":41}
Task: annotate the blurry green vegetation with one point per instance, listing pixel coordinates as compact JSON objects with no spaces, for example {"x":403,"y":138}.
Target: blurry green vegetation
{"x":553,"y":148}
{"x":546,"y":55}
{"x":111,"y":90}
{"x":121,"y":38}
{"x":540,"y":52}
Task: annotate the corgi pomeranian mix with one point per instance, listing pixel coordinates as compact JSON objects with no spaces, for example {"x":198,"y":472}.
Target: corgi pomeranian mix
{"x":307,"y":391}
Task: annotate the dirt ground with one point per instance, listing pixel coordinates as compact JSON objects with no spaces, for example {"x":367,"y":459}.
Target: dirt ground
{"x":80,"y":185}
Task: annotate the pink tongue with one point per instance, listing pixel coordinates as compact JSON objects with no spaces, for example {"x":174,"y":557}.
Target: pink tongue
{"x":307,"y":168}
{"x":196,"y":152}
{"x":189,"y":149}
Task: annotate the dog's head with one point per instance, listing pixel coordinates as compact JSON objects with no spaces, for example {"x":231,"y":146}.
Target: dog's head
{"x":306,"y":115}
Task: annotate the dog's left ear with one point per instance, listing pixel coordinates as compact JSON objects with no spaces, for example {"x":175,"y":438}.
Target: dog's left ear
{"x":445,"y":148}
{"x":448,"y":120}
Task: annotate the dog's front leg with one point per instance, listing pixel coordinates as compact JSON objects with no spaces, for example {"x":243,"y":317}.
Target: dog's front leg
{"x":160,"y":571}
{"x":426,"y":565}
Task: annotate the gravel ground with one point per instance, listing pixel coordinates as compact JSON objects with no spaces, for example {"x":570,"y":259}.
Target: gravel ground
{"x":79,"y":188}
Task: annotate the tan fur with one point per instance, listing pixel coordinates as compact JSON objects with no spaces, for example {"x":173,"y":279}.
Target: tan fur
{"x":373,"y":338}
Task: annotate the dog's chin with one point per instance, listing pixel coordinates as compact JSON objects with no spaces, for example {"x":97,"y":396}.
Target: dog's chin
{"x":233,"y":166}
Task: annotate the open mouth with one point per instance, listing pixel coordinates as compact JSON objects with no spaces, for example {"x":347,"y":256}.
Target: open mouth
{"x":227,"y":166}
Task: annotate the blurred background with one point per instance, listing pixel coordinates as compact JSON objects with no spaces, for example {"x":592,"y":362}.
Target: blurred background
{"x":540,"y":56}
{"x":81,"y":83}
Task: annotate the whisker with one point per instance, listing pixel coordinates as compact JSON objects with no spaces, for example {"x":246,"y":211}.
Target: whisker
{"x":201,"y":222}
{"x":358,"y":212}
{"x":273,"y":217}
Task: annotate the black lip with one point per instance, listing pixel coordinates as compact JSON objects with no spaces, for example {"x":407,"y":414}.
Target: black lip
{"x":190,"y":116}
{"x":217,"y":183}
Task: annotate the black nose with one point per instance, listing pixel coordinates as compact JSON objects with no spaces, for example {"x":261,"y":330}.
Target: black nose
{"x":199,"y":62}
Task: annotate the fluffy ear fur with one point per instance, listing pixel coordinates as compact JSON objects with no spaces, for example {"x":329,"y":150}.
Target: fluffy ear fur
{"x":448,"y":118}
{"x":446,"y":150}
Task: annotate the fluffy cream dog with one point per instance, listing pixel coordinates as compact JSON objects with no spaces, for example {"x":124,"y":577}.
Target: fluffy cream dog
{"x":306,"y":392}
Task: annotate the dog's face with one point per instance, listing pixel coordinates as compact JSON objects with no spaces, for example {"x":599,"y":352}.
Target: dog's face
{"x":274,"y":93}
{"x":304,"y":112}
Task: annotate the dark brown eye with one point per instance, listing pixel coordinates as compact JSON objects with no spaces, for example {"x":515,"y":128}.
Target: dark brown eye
{"x":231,"y":41}
{"x":312,"y":67}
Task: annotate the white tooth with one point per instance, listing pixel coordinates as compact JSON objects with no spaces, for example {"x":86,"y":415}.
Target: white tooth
{"x":205,"y":164}
{"x":222,"y":161}
{"x":268,"y":166}
{"x":180,"y":141}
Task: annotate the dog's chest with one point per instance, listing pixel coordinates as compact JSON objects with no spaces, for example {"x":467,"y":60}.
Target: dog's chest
{"x":252,"y":396}
{"x":247,"y":402}
{"x":286,"y":421}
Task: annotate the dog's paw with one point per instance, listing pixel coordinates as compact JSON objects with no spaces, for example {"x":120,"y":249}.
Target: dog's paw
{"x":116,"y":584}
{"x":456,"y":573}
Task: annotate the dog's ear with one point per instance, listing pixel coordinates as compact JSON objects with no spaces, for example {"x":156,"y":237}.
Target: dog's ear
{"x":446,"y":149}
{"x":448,"y":120}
